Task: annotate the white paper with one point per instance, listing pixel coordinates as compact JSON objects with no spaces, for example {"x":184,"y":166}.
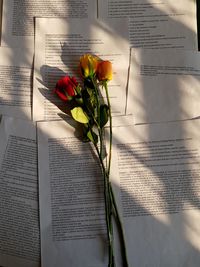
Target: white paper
{"x":19,"y":223}
{"x":15,"y":82}
{"x":164,"y":85}
{"x":1,"y":1}
{"x":58,"y":47}
{"x":124,"y":120}
{"x":156,"y":177}
{"x":18,"y":17}
{"x":72,"y":216}
{"x":155,"y":24}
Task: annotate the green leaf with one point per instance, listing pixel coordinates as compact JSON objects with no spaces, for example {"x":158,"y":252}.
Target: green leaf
{"x":92,"y":136}
{"x":89,"y":102}
{"x":79,"y":100}
{"x":104,"y":112}
{"x":79,"y":115}
{"x":91,"y":94}
{"x":88,"y":83}
{"x":78,"y":89}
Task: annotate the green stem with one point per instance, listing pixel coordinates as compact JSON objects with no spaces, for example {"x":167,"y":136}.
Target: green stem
{"x":110,"y":149}
{"x":98,"y":114}
{"x":107,"y":197}
{"x":113,"y":202}
{"x":111,"y":262}
{"x":110,"y":126}
{"x":123,"y":246}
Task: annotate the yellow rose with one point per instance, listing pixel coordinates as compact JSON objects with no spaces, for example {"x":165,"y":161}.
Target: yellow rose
{"x":88,"y":65}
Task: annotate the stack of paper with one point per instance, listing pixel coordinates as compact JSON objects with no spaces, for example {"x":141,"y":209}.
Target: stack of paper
{"x":51,"y":188}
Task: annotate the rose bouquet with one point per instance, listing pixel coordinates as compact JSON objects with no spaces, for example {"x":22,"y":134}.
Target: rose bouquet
{"x":87,"y":107}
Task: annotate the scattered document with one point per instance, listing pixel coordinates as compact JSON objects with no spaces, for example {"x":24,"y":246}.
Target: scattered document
{"x":164,"y":85}
{"x":156,"y":177}
{"x":155,"y":170}
{"x":15,"y":82}
{"x":19,"y":223}
{"x":1,"y":2}
{"x":18,"y":17}
{"x":155,"y":24}
{"x":58,"y":48}
{"x":72,"y":211}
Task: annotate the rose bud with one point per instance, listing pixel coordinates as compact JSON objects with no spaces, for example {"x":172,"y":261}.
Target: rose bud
{"x":104,"y":71}
{"x":66,"y":88}
{"x":88,"y":65}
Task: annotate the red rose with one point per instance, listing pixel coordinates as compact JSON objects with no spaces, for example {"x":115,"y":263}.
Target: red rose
{"x":65,"y":88}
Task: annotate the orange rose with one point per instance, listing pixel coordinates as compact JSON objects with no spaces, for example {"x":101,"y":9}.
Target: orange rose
{"x":104,"y":71}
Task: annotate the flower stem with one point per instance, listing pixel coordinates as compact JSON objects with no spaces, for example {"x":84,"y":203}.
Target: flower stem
{"x":108,"y":204}
{"x":107,"y":196}
{"x":110,"y":126}
{"x":98,"y":114}
{"x":111,"y":194}
{"x":119,"y":223}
